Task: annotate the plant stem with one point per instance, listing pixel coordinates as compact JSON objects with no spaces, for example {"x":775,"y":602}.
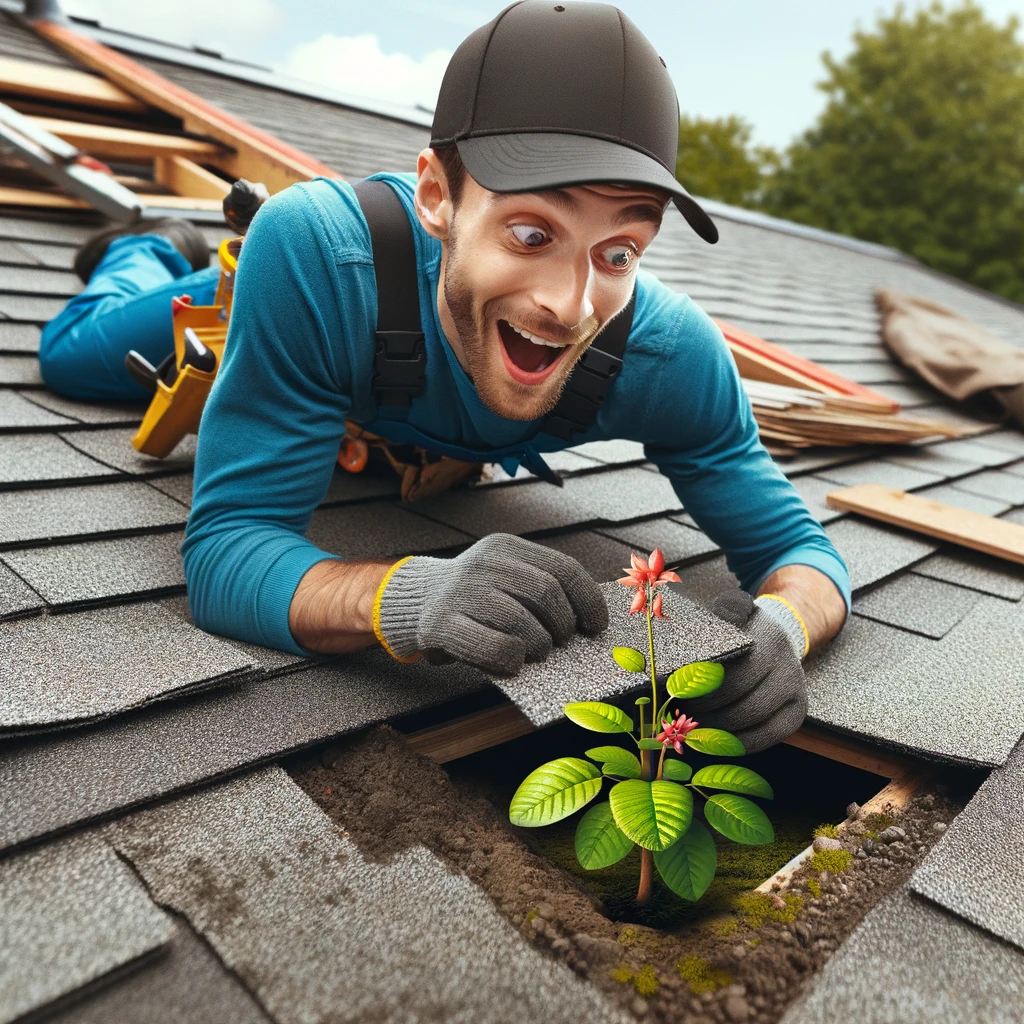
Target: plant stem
{"x":650,"y":645}
{"x":643,"y":894}
{"x":661,"y":762}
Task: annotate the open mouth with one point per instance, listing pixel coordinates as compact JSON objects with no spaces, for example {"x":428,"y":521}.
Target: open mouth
{"x":528,"y":358}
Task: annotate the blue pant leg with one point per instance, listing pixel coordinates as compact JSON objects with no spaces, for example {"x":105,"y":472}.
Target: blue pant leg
{"x":126,"y":305}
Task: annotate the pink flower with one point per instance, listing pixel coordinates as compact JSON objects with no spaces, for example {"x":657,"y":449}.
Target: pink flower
{"x":656,"y":608}
{"x":673,"y":733}
{"x":644,"y":574}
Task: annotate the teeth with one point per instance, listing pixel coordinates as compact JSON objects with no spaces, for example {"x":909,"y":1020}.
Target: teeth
{"x":534,"y":338}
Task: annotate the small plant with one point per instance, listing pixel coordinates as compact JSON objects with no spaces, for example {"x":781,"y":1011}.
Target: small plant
{"x":650,"y":802}
{"x":826,"y":831}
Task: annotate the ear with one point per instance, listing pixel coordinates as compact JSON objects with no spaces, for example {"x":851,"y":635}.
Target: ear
{"x":432,"y":198}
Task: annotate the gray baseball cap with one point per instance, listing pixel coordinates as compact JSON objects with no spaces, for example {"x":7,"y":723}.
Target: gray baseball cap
{"x":548,"y":95}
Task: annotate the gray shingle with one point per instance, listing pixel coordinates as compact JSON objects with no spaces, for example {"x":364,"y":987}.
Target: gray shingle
{"x":993,"y":483}
{"x":952,"y":494}
{"x":909,"y":396}
{"x":33,"y":308}
{"x":957,"y":699}
{"x":58,"y":781}
{"x":19,"y":371}
{"x":378,"y":530}
{"x":873,"y":552}
{"x":41,"y":281}
{"x":16,"y":596}
{"x":815,"y":460}
{"x":72,"y":912}
{"x":1017,"y":468}
{"x":876,"y":471}
{"x":679,"y":544}
{"x":69,"y":231}
{"x":34,"y":517}
{"x":611,"y":452}
{"x":976,"y":869}
{"x":113,"y":446}
{"x":703,"y":582}
{"x":87,"y":412}
{"x":583,"y":668}
{"x":970,"y":450}
{"x":97,"y":571}
{"x":913,"y":602}
{"x":977,"y":571}
{"x":814,"y":490}
{"x":1009,"y":440}
{"x":346,"y":487}
{"x":48,"y":254}
{"x":179,"y":487}
{"x":65,"y":669}
{"x":601,"y":556}
{"x":40,"y":459}
{"x":19,"y":337}
{"x":911,"y":962}
{"x":18,"y":414}
{"x":931,"y":459}
{"x":302,"y":895}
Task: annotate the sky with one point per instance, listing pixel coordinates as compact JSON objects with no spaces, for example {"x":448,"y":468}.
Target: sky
{"x":759,"y":59}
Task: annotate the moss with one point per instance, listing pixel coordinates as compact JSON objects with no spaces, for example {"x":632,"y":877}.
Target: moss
{"x":637,"y":937}
{"x":877,"y":821}
{"x":826,"y":830}
{"x":814,"y":888}
{"x":755,"y":941}
{"x":645,"y":981}
{"x":623,"y":975}
{"x":701,"y":976}
{"x":530,"y":916}
{"x":723,"y":927}
{"x":758,"y":908}
{"x":832,"y":860}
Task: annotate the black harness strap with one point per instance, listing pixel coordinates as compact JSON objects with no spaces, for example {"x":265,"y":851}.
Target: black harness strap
{"x":400,"y":358}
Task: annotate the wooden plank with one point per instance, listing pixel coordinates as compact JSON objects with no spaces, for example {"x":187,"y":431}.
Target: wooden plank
{"x":850,"y":751}
{"x":64,"y":85}
{"x":187,"y":178}
{"x":934,"y":519}
{"x":125,"y":143}
{"x":258,"y":156}
{"x":471,"y":733}
{"x":57,"y":200}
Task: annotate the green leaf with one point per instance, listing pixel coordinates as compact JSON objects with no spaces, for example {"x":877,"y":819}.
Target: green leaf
{"x":738,"y":819}
{"x":641,"y":701}
{"x":650,"y":744}
{"x":734,"y":778}
{"x":677,"y":771}
{"x":598,"y":717}
{"x":554,"y":791}
{"x":630,"y":660}
{"x":599,"y":841}
{"x":715,"y":741}
{"x":616,"y":761}
{"x":653,"y":814}
{"x":695,"y":680}
{"x":688,"y":866}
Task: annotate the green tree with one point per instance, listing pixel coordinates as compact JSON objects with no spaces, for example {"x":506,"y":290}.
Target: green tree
{"x":717,"y":161}
{"x":920,"y":146}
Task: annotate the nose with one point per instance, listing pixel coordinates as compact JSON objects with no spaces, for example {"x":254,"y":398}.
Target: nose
{"x":567,"y":294}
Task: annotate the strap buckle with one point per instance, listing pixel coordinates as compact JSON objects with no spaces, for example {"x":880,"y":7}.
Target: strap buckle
{"x":400,"y":362}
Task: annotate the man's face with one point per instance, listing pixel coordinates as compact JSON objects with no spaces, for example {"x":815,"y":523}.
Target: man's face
{"x":529,"y":279}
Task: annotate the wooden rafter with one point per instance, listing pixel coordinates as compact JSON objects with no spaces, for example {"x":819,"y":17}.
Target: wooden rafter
{"x":64,"y":85}
{"x":187,"y":178}
{"x":127,"y":143}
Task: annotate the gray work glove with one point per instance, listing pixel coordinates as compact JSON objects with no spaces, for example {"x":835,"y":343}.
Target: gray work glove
{"x":764,"y":696}
{"x":500,"y":602}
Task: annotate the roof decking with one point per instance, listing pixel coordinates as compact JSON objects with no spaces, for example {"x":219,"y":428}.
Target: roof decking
{"x":112,"y":700}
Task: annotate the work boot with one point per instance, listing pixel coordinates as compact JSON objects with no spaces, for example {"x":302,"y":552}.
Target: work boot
{"x":182,"y":234}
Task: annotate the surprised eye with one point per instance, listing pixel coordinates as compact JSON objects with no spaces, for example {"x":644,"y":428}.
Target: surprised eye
{"x":621,"y":257}
{"x":529,"y":234}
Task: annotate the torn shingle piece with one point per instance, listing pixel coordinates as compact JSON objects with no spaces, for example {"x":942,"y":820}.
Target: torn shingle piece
{"x":876,"y":471}
{"x":583,"y":669}
{"x":51,"y":783}
{"x":33,"y":517}
{"x":279,"y":891}
{"x":976,"y":869}
{"x":994,"y":483}
{"x":611,"y":452}
{"x":33,"y":308}
{"x":19,"y":337}
{"x":71,"y":913}
{"x":953,"y":494}
{"x":603,"y":557}
{"x":814,"y":490}
{"x":916,"y":603}
{"x":113,"y":446}
{"x":20,"y":371}
{"x":39,"y":459}
{"x":184,"y":983}
{"x":927,"y":696}
{"x":16,"y":596}
{"x":63,"y":670}
{"x":912,"y":962}
{"x":18,"y":414}
{"x":679,"y":544}
{"x":977,"y":571}
{"x":99,"y":571}
{"x":873,"y":552}
{"x":378,"y":530}
{"x":87,"y":412}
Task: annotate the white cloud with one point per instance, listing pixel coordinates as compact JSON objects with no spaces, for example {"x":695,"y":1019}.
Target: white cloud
{"x":227,"y":25}
{"x":357,"y":65}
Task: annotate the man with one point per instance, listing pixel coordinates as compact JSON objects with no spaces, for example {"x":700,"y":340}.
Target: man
{"x":547,"y":177}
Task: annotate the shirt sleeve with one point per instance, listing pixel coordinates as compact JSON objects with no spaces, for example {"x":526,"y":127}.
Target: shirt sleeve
{"x":701,"y":434}
{"x":275,"y":416}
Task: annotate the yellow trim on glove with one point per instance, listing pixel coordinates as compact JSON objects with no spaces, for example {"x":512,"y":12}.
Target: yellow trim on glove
{"x":378,"y":597}
{"x":797,"y":616}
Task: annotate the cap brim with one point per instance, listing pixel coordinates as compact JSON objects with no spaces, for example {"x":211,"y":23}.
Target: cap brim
{"x":529,"y":161}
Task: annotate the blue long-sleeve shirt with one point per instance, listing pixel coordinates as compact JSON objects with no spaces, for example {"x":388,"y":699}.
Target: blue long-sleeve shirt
{"x":299,"y":361}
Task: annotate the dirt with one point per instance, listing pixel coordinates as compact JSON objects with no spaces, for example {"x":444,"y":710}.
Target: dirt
{"x":744,"y":958}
